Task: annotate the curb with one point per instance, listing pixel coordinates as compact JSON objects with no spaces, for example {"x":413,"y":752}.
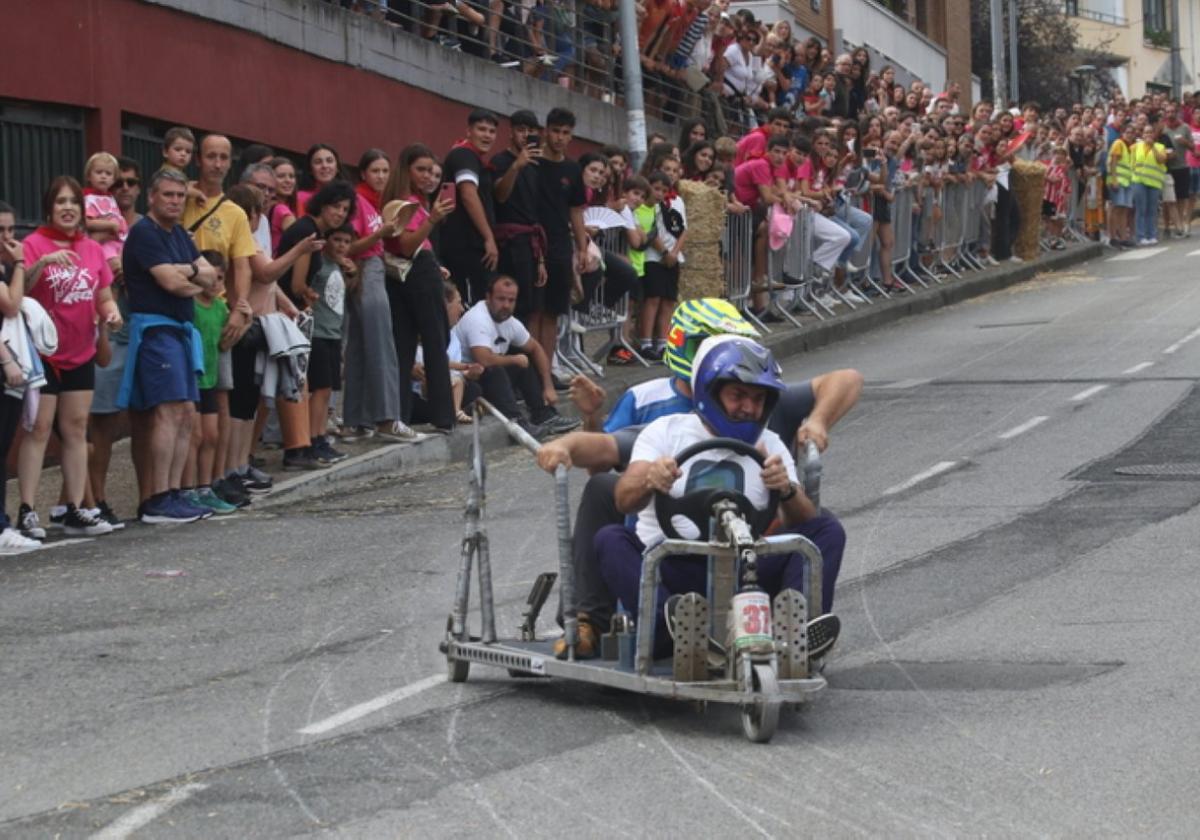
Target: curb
{"x":434,"y":451}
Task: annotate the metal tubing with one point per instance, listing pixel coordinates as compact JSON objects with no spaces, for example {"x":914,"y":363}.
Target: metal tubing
{"x":631,"y":64}
{"x":566,"y":568}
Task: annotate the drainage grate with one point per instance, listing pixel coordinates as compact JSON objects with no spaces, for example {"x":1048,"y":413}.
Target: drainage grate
{"x":1179,"y":468}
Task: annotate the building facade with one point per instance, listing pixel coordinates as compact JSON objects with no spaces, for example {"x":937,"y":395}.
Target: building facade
{"x":1131,"y":40}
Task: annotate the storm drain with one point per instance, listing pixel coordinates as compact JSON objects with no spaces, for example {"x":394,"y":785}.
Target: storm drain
{"x":1179,"y":469}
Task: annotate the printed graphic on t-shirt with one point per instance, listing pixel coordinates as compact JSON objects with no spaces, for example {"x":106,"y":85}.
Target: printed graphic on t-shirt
{"x":70,"y":284}
{"x":335,"y":292}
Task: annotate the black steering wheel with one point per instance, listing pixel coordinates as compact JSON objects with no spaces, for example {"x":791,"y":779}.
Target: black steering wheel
{"x":697,"y":506}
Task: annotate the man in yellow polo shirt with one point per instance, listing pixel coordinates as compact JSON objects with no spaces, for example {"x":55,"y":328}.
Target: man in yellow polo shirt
{"x":222,"y":226}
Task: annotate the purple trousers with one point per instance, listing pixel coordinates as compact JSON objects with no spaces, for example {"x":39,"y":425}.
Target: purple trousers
{"x":619,"y":553}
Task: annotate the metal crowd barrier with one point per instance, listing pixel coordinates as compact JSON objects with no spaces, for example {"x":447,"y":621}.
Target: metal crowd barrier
{"x":596,"y":315}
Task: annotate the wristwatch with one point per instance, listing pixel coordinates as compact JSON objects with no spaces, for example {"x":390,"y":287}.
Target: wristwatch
{"x":789,"y":494}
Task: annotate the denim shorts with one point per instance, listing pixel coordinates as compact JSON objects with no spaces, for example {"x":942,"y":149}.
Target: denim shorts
{"x":1122,"y":197}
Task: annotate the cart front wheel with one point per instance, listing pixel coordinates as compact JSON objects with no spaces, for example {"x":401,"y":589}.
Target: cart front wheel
{"x":761,"y":718}
{"x":458,"y":669}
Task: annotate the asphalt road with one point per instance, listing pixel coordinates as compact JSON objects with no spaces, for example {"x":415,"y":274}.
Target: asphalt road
{"x":1018,"y":656}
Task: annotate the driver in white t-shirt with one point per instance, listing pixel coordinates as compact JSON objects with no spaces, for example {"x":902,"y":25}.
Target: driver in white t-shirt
{"x":735,"y":382}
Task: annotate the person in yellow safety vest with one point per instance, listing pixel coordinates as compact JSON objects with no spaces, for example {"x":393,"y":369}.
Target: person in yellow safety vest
{"x":1120,"y":186}
{"x":1149,"y":173}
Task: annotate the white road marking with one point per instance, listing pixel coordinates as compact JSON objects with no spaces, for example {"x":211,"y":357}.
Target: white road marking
{"x":1141,"y":254}
{"x":1193,"y":253}
{"x":1088,"y":392}
{"x":936,"y":469}
{"x":1031,"y":423}
{"x":145,"y":814}
{"x":1174,"y":348}
{"x":371,"y":706}
{"x":1138,"y":368}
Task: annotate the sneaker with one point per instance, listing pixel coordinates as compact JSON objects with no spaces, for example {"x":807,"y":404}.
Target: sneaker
{"x":620,"y":356}
{"x":558,"y":424}
{"x":295,"y":460}
{"x":587,"y":644}
{"x":106,"y":513}
{"x":854,"y":297}
{"x":81,"y":523}
{"x":29,"y":525}
{"x":13,"y":542}
{"x":232,"y":492}
{"x":254,"y":480}
{"x":559,"y":385}
{"x":1152,"y":240}
{"x":822,"y":633}
{"x":325,"y":451}
{"x":990,"y":260}
{"x":169,"y":509}
{"x":400,"y":432}
{"x":205,"y":497}
{"x":191,"y":497}
{"x":1014,"y":258}
{"x":57,"y":514}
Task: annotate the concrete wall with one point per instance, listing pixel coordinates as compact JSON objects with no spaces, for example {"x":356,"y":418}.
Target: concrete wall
{"x":863,"y":22}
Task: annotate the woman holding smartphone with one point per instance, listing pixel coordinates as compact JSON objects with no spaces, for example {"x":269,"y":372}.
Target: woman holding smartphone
{"x":415,"y":292}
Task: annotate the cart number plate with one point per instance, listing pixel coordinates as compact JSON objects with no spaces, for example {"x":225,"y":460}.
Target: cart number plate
{"x":537,"y":665}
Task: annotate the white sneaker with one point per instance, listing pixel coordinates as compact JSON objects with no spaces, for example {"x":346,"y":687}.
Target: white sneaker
{"x":1152,"y":241}
{"x":400,"y":431}
{"x":12,"y":542}
{"x":827,"y":300}
{"x":855,"y":297}
{"x":990,"y":260}
{"x":1016,"y":259}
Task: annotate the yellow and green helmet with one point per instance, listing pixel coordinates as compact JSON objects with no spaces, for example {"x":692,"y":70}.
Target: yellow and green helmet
{"x":696,"y":320}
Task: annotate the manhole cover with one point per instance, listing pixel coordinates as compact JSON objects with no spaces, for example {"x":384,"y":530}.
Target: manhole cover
{"x":1183,"y":468}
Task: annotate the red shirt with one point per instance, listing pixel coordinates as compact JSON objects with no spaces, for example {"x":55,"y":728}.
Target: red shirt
{"x":753,"y":145}
{"x":748,"y":177}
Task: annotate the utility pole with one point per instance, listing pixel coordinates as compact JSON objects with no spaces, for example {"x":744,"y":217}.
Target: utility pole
{"x":998,"y":86}
{"x":1014,"y":90}
{"x":1176,"y":61}
{"x":635,"y":108}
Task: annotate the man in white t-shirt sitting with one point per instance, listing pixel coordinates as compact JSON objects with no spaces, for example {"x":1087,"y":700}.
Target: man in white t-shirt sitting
{"x":492,"y":337}
{"x":735,"y":383}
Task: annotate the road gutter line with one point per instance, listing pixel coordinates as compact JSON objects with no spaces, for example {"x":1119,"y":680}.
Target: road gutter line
{"x":936,"y":469}
{"x":1175,"y":347}
{"x":371,"y":706}
{"x":1138,"y":368}
{"x":143,"y":815}
{"x":1024,"y":427}
{"x":1088,"y":392}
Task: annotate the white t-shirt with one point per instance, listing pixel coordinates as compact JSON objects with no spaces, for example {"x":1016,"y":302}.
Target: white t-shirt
{"x":670,"y":435}
{"x":477,"y":329}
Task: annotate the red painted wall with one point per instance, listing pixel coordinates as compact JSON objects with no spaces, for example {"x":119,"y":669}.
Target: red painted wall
{"x":123,"y":55}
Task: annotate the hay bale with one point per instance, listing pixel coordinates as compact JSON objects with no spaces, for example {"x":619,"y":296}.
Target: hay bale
{"x":702,"y":274}
{"x":1028,"y":182}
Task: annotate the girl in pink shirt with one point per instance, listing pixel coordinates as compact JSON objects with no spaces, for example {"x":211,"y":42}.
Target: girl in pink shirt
{"x":70,"y":277}
{"x":105,"y":222}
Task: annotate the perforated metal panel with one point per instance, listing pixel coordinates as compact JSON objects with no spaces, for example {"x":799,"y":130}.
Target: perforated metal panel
{"x":1182,"y":469}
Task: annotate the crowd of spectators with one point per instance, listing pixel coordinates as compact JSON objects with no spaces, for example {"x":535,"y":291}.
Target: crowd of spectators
{"x":332,"y":304}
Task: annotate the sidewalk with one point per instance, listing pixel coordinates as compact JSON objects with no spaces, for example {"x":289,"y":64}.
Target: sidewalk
{"x":374,"y":458}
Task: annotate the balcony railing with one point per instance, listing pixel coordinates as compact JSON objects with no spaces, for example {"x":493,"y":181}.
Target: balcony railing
{"x":1073,"y":9}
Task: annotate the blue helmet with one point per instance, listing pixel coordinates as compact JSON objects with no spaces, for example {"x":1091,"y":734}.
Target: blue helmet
{"x":729,"y":358}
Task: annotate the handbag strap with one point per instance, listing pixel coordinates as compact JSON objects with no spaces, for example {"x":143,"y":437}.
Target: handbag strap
{"x":195,"y":226}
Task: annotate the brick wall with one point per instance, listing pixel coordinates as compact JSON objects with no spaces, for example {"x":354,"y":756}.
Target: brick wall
{"x":956,"y":16}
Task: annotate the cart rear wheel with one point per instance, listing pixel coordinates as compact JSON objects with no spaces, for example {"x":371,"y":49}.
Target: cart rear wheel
{"x":760,"y":719}
{"x":458,"y":669}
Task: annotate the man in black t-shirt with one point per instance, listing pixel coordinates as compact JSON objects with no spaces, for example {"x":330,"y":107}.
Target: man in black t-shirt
{"x":560,"y":202}
{"x":520,"y":237}
{"x":467,"y":246}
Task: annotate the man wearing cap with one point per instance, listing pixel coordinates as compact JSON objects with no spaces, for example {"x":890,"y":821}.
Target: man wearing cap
{"x":519,"y":238}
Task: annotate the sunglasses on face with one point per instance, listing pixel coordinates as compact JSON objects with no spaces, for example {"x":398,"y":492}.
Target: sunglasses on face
{"x":127,"y":182}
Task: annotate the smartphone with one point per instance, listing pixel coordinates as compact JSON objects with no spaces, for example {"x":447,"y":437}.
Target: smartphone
{"x":447,"y":192}
{"x":868,"y":154}
{"x":533,"y":140}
